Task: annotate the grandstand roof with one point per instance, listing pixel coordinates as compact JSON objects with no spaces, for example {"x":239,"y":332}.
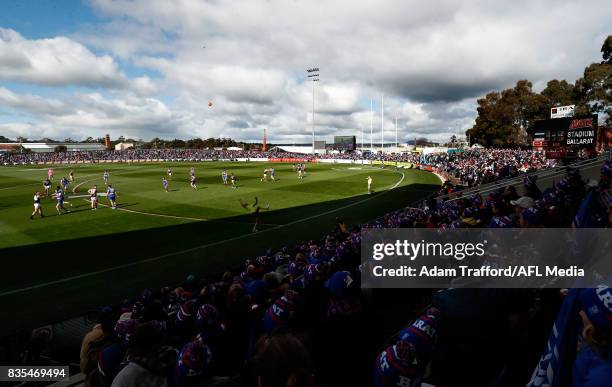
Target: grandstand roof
{"x":294,"y":148}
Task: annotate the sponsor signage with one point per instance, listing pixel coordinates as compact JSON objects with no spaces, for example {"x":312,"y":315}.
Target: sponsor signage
{"x":562,"y":111}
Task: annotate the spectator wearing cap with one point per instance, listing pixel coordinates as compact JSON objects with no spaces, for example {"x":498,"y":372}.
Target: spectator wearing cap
{"x":522,"y":203}
{"x":593,"y":364}
{"x":519,"y":205}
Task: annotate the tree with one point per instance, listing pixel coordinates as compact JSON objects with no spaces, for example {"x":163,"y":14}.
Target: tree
{"x":559,"y":93}
{"x":421,"y":141}
{"x":5,"y":139}
{"x":60,"y":149}
{"x":606,"y":50}
{"x":176,"y":143}
{"x":495,"y":122}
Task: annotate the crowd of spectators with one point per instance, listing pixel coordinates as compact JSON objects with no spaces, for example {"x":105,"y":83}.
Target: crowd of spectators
{"x":297,"y":316}
{"x":480,"y":166}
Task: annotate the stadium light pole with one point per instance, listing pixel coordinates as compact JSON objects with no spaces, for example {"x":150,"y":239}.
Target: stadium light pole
{"x":371,"y":126}
{"x":313,"y":75}
{"x":382,"y":124}
{"x":396,"y":134}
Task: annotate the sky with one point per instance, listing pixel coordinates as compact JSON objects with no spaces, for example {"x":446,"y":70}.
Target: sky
{"x":148,"y":68}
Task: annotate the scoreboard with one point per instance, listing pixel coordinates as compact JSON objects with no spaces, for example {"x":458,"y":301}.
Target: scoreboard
{"x":345,"y":143}
{"x":573,"y":132}
{"x":565,"y":135}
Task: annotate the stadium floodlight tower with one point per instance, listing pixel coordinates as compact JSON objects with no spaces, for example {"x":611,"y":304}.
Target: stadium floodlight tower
{"x":313,"y":76}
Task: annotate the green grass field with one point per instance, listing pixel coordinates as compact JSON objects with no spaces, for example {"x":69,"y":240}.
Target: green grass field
{"x":63,"y":265}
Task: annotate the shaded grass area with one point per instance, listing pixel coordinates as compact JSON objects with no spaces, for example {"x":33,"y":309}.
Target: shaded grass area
{"x":98,"y":269}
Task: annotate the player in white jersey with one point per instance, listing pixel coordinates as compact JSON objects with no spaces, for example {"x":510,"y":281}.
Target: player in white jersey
{"x":59,"y":199}
{"x":37,"y":206}
{"x":165,"y":184}
{"x":272,"y":173}
{"x":111,"y":194}
{"x":224,"y":177}
{"x":93,"y":197}
{"x":369,"y":184}
{"x":106,"y":176}
{"x":192,"y":172}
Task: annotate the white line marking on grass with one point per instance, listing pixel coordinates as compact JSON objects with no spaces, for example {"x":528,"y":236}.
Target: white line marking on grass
{"x":174,"y":216}
{"x":189,"y":250}
{"x":29,"y":184}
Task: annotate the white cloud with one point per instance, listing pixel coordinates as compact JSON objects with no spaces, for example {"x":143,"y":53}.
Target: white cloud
{"x":55,"y":61}
{"x":61,"y":61}
{"x":431,"y":60}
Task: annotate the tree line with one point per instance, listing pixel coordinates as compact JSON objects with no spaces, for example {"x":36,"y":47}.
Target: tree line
{"x":155,"y":143}
{"x":506,"y":117}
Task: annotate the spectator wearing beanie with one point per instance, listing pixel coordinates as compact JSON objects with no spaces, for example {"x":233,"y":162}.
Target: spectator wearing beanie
{"x":405,"y":362}
{"x":192,"y":364}
{"x":280,"y":313}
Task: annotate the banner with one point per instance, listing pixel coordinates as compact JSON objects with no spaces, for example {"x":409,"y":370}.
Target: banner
{"x":291,"y":160}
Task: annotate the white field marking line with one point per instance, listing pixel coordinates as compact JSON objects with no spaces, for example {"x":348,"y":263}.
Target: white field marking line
{"x":29,"y":184}
{"x":94,"y":179}
{"x":174,"y":216}
{"x":160,"y":257}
